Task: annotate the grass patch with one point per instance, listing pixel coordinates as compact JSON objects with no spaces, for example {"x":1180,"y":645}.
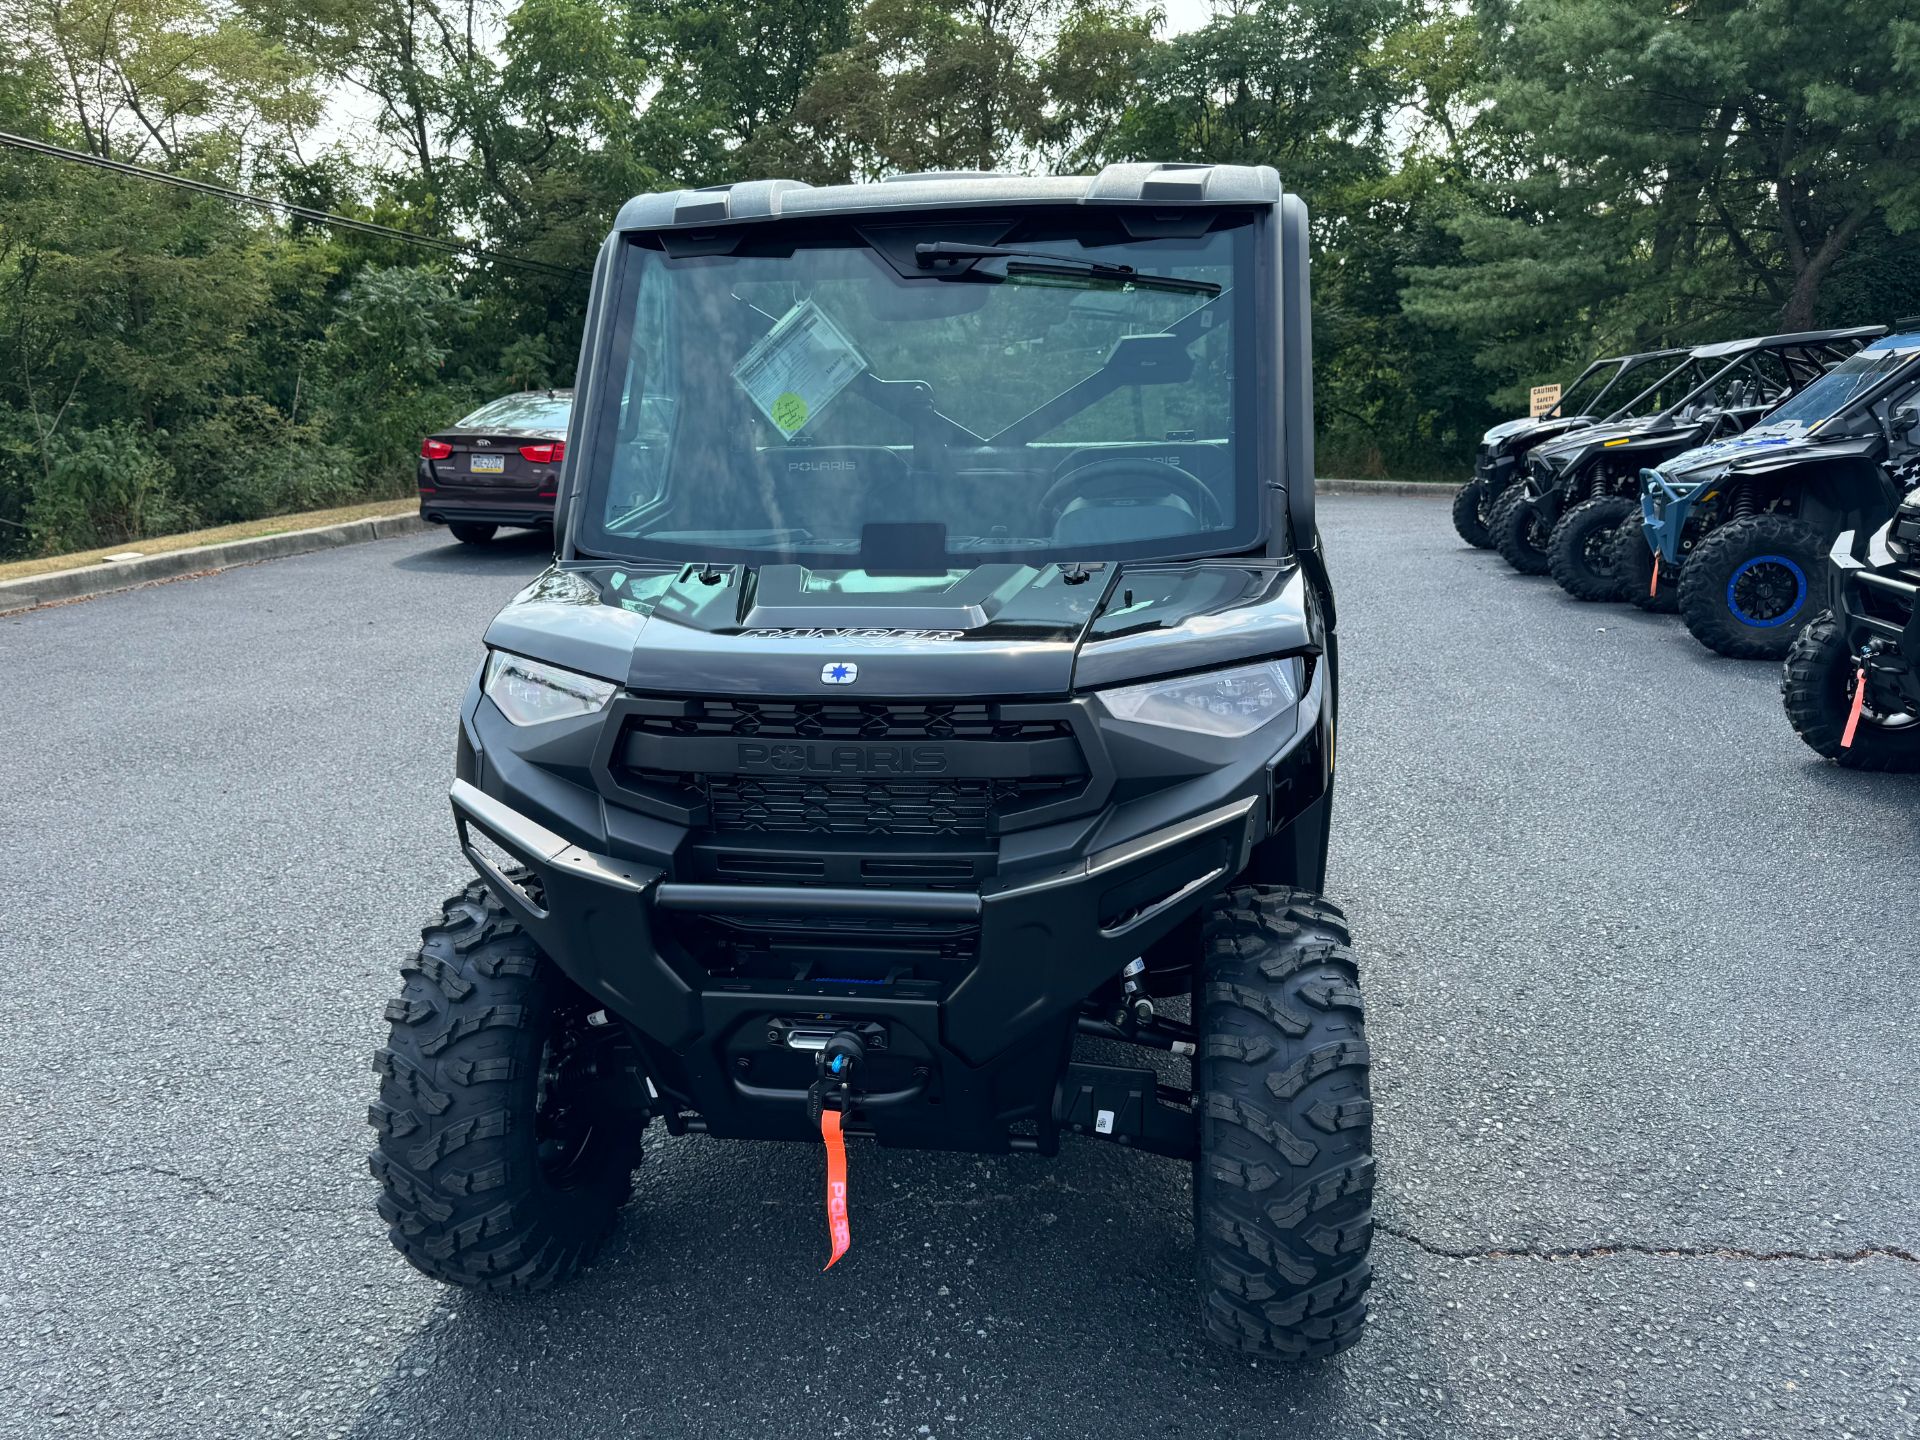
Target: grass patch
{"x":220,"y":534}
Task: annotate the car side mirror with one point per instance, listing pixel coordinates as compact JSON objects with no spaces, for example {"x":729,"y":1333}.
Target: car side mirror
{"x":1904,"y":419}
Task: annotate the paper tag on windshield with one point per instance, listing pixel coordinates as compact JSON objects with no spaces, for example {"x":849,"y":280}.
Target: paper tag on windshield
{"x":798,"y":367}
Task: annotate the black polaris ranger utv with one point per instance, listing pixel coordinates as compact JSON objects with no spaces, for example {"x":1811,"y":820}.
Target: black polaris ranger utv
{"x":938,"y":666}
{"x":1851,"y":682}
{"x":1737,"y":529}
{"x":1717,"y":390}
{"x":1503,"y":449}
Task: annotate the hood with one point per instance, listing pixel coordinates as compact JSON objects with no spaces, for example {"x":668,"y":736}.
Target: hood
{"x":1568,"y":448}
{"x":1525,"y":434}
{"x":1719,"y":452}
{"x":1762,"y":446}
{"x":1531,"y":431}
{"x":994,"y":630}
{"x":1594,"y":435}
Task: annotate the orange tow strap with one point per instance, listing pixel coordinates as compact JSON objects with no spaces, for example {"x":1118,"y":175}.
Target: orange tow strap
{"x":1853,"y":715}
{"x":836,"y":1185}
{"x":1653,"y":586}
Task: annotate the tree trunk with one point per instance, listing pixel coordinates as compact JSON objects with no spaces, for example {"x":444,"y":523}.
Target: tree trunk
{"x":1811,"y":270}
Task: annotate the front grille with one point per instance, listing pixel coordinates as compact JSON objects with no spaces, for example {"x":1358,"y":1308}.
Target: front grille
{"x":798,"y":805}
{"x":826,"y":720}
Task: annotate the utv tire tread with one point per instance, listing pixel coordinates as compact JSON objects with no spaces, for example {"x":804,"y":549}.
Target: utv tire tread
{"x":1466,"y":515}
{"x":1585,"y":533}
{"x":1284,"y":1184}
{"x":1703,"y":583}
{"x":1813,"y":687}
{"x":1633,"y":562}
{"x":463,"y":1192}
{"x":1511,"y":527}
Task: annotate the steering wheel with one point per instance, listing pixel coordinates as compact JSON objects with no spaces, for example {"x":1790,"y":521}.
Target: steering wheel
{"x":1124,"y":474}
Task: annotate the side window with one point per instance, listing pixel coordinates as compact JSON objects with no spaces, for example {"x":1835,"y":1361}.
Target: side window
{"x":649,"y":401}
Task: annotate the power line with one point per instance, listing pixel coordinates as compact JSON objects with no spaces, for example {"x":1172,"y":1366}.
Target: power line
{"x":323,"y":217}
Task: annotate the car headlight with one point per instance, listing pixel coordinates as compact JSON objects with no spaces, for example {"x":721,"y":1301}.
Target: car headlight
{"x":1229,"y":703}
{"x":530,"y":693}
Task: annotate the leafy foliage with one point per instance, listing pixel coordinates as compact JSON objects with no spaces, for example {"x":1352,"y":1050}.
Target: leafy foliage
{"x":1498,"y":192}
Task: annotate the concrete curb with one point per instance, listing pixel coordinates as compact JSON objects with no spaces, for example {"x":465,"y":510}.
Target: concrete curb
{"x":106,"y":576}
{"x":1430,"y":489}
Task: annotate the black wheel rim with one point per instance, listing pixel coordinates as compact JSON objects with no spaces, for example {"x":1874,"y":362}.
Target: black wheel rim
{"x":1597,"y":551}
{"x":564,"y":1113}
{"x":1767,"y":590}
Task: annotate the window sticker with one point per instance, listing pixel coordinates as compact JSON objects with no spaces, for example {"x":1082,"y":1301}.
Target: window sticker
{"x":798,"y":367}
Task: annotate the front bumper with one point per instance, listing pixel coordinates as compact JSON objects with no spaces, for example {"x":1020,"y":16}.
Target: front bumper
{"x":1665,"y":509}
{"x":959,"y":1066}
{"x":1494,"y":473}
{"x":968,"y":959}
{"x":1876,"y":602}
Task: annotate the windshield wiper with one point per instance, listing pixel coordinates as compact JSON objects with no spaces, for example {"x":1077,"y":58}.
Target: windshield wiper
{"x":954,"y":258}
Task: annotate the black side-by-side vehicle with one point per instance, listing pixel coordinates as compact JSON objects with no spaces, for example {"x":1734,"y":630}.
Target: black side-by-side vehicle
{"x":937,"y":674}
{"x":1717,"y":390}
{"x":1851,"y":682}
{"x":1735,"y":531}
{"x":1503,"y":450}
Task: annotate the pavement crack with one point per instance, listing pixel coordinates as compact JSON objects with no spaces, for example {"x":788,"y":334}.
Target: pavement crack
{"x":1658,"y":1252}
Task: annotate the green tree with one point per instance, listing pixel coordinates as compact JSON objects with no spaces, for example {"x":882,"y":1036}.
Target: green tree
{"x":1658,"y":172}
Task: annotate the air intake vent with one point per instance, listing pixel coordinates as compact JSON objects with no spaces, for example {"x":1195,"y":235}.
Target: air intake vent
{"x":820,"y":720}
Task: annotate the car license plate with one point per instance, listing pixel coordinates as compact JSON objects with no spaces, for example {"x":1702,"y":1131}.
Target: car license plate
{"x":486,"y":464}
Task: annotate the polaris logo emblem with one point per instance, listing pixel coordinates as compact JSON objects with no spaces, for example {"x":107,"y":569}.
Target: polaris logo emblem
{"x":830,"y":759}
{"x":819,"y":465}
{"x":839,"y":672}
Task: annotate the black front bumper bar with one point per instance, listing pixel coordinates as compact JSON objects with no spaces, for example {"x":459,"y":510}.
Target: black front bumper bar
{"x":1045,"y":941}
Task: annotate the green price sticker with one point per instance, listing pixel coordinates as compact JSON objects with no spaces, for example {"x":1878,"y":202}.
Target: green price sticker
{"x":789,"y":411}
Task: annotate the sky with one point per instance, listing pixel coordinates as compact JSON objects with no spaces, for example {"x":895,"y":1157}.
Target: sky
{"x":350,"y":114}
{"x":1184,"y":15}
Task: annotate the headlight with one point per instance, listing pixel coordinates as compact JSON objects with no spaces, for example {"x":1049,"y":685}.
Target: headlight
{"x":1230,"y":703}
{"x":529,"y":693}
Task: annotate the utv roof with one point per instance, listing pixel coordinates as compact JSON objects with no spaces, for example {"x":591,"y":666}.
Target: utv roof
{"x":1640,"y":355}
{"x":1148,"y":184}
{"x":1798,"y":337}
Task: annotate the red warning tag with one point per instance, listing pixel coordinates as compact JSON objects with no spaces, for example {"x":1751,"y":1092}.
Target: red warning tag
{"x":1853,"y":715}
{"x":837,"y":1224}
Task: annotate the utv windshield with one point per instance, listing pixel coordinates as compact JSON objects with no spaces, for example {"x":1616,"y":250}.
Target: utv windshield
{"x":960,"y":390}
{"x":1848,"y":381}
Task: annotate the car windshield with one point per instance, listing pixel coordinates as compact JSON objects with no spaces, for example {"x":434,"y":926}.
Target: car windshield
{"x":536,"y":410}
{"x":927,"y":392}
{"x":1847,"y":381}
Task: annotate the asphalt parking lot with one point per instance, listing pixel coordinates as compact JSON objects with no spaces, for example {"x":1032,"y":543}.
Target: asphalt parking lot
{"x":1642,"y":989}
